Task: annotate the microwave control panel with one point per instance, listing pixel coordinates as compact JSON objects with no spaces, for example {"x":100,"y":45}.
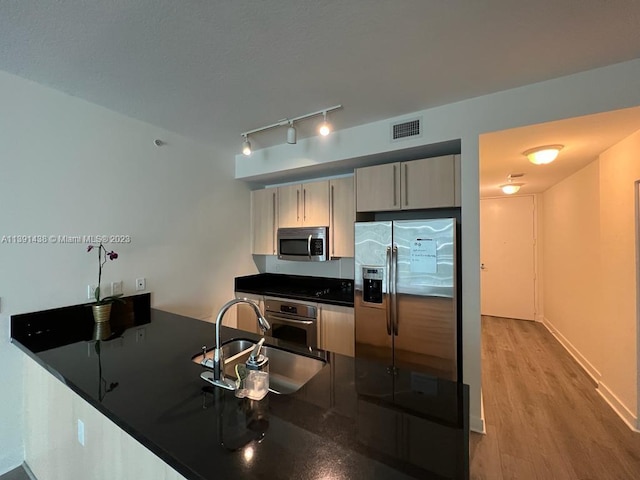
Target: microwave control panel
{"x":317,"y":247}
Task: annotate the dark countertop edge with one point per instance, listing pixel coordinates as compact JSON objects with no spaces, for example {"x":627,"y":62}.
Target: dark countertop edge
{"x":306,"y":298}
{"x":162,"y":454}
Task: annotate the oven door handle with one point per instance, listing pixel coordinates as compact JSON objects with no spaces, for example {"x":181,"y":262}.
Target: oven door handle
{"x":289,"y":321}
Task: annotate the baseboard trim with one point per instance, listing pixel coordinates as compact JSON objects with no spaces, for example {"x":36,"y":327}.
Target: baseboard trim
{"x":614,"y":402}
{"x":476,"y":424}
{"x":28,"y":471}
{"x":573,"y":351}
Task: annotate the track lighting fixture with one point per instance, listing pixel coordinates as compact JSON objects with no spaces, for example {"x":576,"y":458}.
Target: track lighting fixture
{"x":246,"y":145}
{"x":511,"y":188}
{"x":292,"y":135}
{"x":543,"y":155}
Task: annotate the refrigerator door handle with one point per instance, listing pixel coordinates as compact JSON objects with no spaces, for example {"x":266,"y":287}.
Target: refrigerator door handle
{"x":394,"y":304}
{"x":388,"y":308}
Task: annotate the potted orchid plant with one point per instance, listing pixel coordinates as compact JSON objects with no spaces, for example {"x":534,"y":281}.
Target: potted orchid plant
{"x":102,"y":306}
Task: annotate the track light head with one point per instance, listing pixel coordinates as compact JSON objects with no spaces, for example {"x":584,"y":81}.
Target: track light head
{"x":246,"y":146}
{"x":291,"y":134}
{"x":325,"y":128}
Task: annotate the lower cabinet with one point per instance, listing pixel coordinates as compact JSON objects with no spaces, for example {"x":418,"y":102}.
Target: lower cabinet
{"x":245,"y":315}
{"x":51,"y":446}
{"x":337,"y":331}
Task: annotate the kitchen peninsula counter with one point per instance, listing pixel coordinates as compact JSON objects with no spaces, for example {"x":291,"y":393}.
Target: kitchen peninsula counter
{"x":341,"y":425}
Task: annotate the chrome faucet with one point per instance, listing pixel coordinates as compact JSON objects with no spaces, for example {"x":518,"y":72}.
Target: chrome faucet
{"x":218,"y":358}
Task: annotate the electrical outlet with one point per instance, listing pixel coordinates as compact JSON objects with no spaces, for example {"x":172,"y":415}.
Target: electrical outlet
{"x":116,"y":288}
{"x":81,"y":432}
{"x":141,"y":283}
{"x":91,"y":291}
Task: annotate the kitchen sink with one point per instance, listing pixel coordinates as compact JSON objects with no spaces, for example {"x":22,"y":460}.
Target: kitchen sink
{"x":288,"y":371}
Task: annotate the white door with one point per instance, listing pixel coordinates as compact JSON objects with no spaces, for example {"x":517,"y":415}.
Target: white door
{"x":507,"y":255}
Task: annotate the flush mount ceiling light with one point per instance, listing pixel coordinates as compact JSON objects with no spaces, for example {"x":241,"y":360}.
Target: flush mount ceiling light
{"x":511,"y":188}
{"x":543,"y":155}
{"x":324,"y":130}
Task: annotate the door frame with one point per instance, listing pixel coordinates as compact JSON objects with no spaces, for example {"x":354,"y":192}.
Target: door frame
{"x":637,"y":202}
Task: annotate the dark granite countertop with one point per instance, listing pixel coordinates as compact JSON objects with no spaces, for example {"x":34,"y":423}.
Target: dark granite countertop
{"x":352,"y":420}
{"x":333,"y":291}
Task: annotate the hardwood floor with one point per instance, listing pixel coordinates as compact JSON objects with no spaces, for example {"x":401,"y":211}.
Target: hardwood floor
{"x":543,"y":416}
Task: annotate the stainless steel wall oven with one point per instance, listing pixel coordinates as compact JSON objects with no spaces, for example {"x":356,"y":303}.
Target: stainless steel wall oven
{"x":295,"y":322}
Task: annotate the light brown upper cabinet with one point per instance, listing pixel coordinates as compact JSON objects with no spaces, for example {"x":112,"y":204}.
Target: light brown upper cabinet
{"x":342,"y":213}
{"x":264,"y":221}
{"x":304,"y":205}
{"x":427,"y":183}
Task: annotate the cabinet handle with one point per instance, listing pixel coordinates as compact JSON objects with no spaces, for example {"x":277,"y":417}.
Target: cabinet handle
{"x":333,"y":226}
{"x":406,"y":184}
{"x":320,"y":328}
{"x":304,"y":204}
{"x":297,"y":205}
{"x":273,"y":230}
{"x":395,"y":193}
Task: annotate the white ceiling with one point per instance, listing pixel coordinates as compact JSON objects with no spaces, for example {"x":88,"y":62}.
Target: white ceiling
{"x":584,"y":138}
{"x":213,"y":69}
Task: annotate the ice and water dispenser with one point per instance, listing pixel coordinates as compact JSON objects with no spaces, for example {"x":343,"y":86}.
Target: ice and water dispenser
{"x":372,"y":278}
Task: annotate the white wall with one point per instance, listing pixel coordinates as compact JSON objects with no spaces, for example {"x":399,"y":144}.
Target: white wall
{"x":594,"y":91}
{"x":71,"y":167}
{"x":590,"y":277}
{"x":619,"y":170}
{"x":572,"y":275}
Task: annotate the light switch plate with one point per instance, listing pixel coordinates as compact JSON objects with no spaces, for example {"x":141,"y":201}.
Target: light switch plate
{"x":116,"y":288}
{"x":81,"y":432}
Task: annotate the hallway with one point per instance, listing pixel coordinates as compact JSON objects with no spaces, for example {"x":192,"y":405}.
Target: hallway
{"x":544,"y":417}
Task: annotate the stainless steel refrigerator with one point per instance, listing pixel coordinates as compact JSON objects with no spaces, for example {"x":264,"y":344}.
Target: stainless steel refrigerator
{"x":406,"y":313}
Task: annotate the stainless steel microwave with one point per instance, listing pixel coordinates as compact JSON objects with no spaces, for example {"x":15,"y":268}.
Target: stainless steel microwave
{"x":304,"y":244}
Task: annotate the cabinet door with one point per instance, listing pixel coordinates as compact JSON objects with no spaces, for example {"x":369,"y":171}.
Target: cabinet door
{"x":338,"y":333}
{"x":263,"y":221}
{"x":290,"y":206}
{"x":315,"y":204}
{"x":378,"y":188}
{"x":246,"y":317}
{"x":343,"y":215}
{"x":428,"y":183}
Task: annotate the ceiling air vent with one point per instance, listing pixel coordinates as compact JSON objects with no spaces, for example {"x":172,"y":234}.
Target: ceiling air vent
{"x":406,"y":129}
